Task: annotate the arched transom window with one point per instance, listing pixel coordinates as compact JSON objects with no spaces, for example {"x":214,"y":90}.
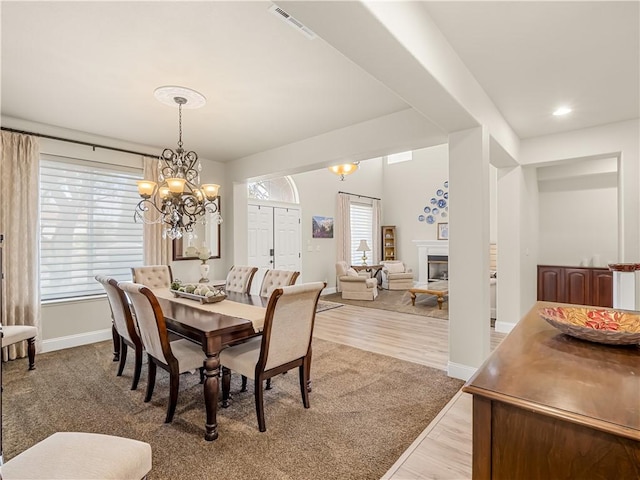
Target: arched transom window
{"x":281,"y":189}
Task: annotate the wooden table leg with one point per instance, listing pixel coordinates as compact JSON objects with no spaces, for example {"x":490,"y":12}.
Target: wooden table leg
{"x":211,"y":388}
{"x":440,"y":301}
{"x":413,"y":298}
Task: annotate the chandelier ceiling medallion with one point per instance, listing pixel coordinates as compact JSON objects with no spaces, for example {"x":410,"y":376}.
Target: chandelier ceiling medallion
{"x":178,"y":199}
{"x":344,"y":169}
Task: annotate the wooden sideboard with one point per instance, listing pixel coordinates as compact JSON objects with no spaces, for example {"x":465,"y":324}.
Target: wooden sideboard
{"x":576,"y":285}
{"x":549,"y":406}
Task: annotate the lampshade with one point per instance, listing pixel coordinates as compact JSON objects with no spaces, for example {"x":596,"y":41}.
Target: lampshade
{"x":363,"y":247}
{"x":344,"y":169}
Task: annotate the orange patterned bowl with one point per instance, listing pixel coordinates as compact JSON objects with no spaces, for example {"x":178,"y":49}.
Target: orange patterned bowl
{"x":598,"y":325}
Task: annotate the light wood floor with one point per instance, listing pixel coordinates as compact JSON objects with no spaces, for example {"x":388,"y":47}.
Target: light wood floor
{"x":443,"y":450}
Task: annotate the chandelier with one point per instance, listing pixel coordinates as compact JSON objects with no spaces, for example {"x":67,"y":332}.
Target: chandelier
{"x":179,"y":200}
{"x":344,"y":169}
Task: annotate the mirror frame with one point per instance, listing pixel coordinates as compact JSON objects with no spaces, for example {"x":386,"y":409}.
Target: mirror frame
{"x":178,"y":246}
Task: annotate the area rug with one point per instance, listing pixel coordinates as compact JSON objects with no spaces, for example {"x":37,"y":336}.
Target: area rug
{"x":398,"y":301}
{"x":324,"y":306}
{"x":366,"y":409}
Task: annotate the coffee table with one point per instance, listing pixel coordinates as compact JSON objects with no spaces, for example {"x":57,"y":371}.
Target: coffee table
{"x":439,"y":289}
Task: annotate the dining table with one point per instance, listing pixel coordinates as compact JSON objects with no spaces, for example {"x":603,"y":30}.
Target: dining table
{"x":213,"y":325}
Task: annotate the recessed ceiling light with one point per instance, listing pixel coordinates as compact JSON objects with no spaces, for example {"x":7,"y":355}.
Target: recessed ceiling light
{"x":562,"y":111}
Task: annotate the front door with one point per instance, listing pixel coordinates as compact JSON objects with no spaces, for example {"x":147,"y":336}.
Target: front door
{"x":274,"y":237}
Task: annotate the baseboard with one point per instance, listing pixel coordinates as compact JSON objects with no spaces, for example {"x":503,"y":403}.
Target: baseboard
{"x":328,"y":290}
{"x":504,"y":327}
{"x":60,"y":343}
{"x":457,"y":370}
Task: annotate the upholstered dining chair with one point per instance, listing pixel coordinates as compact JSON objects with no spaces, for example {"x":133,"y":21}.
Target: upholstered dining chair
{"x":124,"y":326}
{"x":239,"y":279}
{"x":153,"y":276}
{"x":18,"y":333}
{"x":176,"y":357}
{"x":285,"y":344}
{"x":277,"y":278}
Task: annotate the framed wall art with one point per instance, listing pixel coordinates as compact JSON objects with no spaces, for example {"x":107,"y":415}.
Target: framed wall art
{"x":322,"y":227}
{"x":443,"y":231}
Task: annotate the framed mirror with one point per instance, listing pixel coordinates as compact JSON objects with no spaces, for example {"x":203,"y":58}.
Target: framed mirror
{"x":186,"y":248}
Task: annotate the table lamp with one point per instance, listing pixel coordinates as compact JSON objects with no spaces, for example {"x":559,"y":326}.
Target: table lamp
{"x":364,"y":248}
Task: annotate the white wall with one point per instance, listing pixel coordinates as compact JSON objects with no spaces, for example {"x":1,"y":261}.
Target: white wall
{"x":620,"y":140}
{"x":578,"y":222}
{"x":407,"y":189}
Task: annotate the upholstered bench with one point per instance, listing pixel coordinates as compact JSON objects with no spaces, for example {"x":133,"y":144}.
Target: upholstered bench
{"x":81,"y":456}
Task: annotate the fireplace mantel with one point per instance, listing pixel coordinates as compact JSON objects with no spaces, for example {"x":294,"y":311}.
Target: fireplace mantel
{"x":426,"y":248}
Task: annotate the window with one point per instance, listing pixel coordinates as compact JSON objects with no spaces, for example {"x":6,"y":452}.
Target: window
{"x":86,"y":226}
{"x":399,"y":157}
{"x":361,"y":229}
{"x":280,"y":189}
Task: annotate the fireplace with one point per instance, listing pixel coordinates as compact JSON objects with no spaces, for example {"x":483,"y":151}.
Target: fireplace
{"x":437,"y":267}
{"x":427,"y":249}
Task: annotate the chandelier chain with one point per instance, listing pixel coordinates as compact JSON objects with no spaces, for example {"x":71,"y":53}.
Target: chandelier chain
{"x":179,"y":125}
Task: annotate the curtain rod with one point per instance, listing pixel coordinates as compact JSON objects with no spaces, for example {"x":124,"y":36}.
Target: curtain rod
{"x":93,"y":145}
{"x":360,"y":196}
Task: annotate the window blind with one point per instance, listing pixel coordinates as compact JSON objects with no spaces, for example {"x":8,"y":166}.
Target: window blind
{"x":86,"y":226}
{"x":361,"y":229}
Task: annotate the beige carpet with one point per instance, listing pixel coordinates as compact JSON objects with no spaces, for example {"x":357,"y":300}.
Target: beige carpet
{"x":398,"y":301}
{"x":366,"y":409}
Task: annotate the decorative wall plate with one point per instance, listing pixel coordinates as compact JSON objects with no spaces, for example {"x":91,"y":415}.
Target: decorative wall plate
{"x":433,"y":201}
{"x":427,"y":209}
{"x":439,"y":193}
{"x":421,"y":218}
{"x":430,"y":219}
{"x":442,"y":203}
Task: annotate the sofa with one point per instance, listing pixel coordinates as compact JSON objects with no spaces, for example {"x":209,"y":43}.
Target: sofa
{"x":355,"y":286}
{"x":396,"y":276}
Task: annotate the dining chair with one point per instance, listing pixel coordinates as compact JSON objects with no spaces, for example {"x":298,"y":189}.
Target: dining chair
{"x":285,"y":344}
{"x":239,"y":279}
{"x":124,"y":326}
{"x":18,"y":333}
{"x":153,"y":276}
{"x":176,"y":357}
{"x":277,"y":278}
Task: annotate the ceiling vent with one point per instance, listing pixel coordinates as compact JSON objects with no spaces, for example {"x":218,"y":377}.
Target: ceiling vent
{"x":285,"y":17}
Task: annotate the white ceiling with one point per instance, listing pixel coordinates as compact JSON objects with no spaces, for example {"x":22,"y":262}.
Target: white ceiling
{"x":93,"y":67}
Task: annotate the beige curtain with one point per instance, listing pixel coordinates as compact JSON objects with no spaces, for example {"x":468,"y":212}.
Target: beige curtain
{"x":19,"y":222}
{"x":157,"y":250}
{"x":377,"y":220}
{"x":343,"y":228}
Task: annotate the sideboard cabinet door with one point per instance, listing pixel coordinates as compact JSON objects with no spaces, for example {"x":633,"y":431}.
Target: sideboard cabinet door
{"x":602,"y":288}
{"x":551,"y":284}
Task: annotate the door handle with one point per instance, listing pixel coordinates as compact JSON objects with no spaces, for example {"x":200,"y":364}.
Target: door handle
{"x":271,"y":252}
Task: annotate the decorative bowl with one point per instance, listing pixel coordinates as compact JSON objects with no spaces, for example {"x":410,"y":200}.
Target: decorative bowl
{"x":612,"y":327}
{"x":217,"y":294}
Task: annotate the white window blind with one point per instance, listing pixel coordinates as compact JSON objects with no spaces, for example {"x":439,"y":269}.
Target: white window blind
{"x":86,"y":226}
{"x":361,"y":229}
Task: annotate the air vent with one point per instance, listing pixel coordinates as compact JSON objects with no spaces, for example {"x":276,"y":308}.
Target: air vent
{"x":288,"y":19}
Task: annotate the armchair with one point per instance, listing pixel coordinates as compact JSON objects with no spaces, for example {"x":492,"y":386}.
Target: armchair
{"x":396,"y":276}
{"x":354,"y":286}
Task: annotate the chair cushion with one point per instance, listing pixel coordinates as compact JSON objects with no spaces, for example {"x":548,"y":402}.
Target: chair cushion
{"x":242,"y":358}
{"x":351,"y":272}
{"x":75,"y":456}
{"x":16,"y":333}
{"x":189,"y":355}
{"x":394,"y":267}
